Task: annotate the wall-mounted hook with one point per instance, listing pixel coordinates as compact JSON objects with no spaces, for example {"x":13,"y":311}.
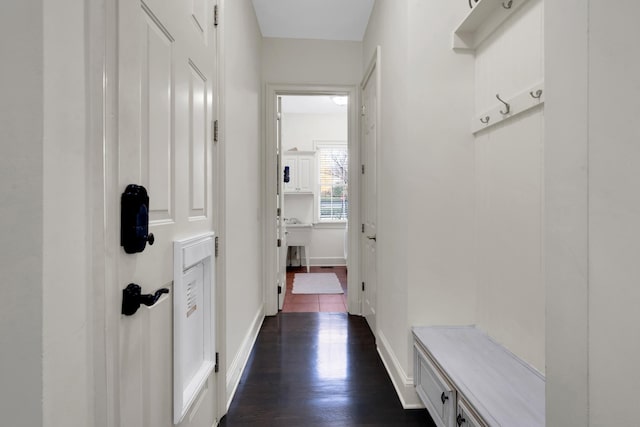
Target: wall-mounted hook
{"x":485,"y":120}
{"x":508,"y":107}
{"x":537,"y":94}
{"x":508,"y":4}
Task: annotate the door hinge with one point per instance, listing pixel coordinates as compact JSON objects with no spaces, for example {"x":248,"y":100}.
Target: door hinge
{"x":363,"y":110}
{"x":215,"y":15}
{"x":279,"y":212}
{"x":217,"y":366}
{"x":217,"y":246}
{"x":363,"y":286}
{"x":279,"y":289}
{"x":214,"y":125}
{"x":363,"y":228}
{"x":362,"y":168}
{"x":279,"y":242}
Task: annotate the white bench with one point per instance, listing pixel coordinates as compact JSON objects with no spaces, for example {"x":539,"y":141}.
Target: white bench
{"x":466,"y":379}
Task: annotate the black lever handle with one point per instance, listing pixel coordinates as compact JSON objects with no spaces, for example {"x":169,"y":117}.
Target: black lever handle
{"x":460,"y":420}
{"x":443,"y":398}
{"x":132,"y":298}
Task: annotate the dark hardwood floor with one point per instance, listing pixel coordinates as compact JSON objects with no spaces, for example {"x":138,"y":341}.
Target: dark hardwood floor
{"x":317,"y":369}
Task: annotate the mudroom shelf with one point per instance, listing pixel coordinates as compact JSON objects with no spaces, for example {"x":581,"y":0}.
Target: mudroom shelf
{"x":482,"y":21}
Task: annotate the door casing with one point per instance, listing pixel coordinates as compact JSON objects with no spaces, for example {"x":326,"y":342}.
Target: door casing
{"x":371,"y":79}
{"x":271,"y":177}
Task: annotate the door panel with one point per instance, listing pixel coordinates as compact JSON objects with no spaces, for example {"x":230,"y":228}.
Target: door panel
{"x":197,"y":140}
{"x":166,"y":69}
{"x":370,"y":197}
{"x":156,"y":142}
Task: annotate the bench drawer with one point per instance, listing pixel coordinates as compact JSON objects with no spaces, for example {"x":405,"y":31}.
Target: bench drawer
{"x":435,"y":392}
{"x":465,"y":416}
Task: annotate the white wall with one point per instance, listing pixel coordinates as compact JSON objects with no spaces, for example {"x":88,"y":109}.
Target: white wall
{"x":46,"y":353}
{"x":460,"y":235}
{"x":509,"y":189}
{"x":441,"y":276}
{"x":388,"y":27}
{"x":592,"y":208}
{"x":301,"y":131}
{"x":293,"y":61}
{"x":425,"y":271}
{"x":243,"y":176}
{"x":67,"y":290}
{"x":313,"y":62}
{"x":21,"y":211}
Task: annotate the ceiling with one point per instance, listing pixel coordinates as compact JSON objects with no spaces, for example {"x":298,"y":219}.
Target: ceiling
{"x":314,"y":19}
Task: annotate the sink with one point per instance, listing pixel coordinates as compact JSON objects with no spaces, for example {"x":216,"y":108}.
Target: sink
{"x":298,"y":234}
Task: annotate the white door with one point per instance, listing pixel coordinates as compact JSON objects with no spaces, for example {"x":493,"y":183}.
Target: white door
{"x":369,"y":121}
{"x":165,"y":78}
{"x":281,"y":259}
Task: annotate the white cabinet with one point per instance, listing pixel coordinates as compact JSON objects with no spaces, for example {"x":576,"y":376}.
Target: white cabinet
{"x":302,"y":167}
{"x":465,"y":379}
{"x":436,"y":393}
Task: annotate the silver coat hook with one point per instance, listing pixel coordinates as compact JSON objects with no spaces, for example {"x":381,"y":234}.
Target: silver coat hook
{"x":537,"y":94}
{"x":504,"y":113}
{"x":508,"y":4}
{"x":485,"y":120}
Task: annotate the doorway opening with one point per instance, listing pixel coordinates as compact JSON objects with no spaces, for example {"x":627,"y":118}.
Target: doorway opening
{"x":311,"y":141}
{"x":314,"y":133}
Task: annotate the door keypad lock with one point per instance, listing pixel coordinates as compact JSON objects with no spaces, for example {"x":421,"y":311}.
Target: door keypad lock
{"x":134,"y":219}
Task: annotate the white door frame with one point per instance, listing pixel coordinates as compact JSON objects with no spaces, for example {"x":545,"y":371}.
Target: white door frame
{"x":373,"y":67}
{"x":102,"y":163}
{"x":270,"y":181}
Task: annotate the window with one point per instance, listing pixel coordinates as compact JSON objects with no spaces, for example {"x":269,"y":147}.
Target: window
{"x":333,"y":176}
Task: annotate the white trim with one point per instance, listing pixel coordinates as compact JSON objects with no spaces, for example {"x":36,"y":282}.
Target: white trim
{"x":219,"y":220}
{"x":327,"y":262}
{"x":239,"y":363}
{"x":186,"y":254}
{"x":272,"y":91}
{"x":401,"y":381}
{"x":375,"y":66}
{"x":107,"y":328}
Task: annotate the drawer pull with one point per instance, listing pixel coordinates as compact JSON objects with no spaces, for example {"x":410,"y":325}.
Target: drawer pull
{"x":443,"y":398}
{"x":460,"y":420}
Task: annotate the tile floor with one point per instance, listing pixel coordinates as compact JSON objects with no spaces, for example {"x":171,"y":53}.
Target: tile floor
{"x":312,"y":303}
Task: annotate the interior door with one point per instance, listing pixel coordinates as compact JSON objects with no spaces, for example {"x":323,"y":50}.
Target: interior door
{"x":369,"y":196}
{"x":165,"y":79}
{"x":281,"y":268}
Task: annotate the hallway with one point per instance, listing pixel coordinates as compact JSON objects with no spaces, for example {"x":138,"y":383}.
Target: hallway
{"x":317,"y":369}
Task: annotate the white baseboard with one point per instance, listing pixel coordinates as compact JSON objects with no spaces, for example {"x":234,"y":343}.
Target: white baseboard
{"x":321,"y":262}
{"x":327,"y":262}
{"x":401,"y":381}
{"x":324,"y":262}
{"x":242,"y":356}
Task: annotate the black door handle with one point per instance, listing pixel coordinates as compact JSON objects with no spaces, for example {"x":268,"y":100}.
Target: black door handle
{"x":443,"y":398}
{"x":460,"y":420}
{"x":132,"y":298}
